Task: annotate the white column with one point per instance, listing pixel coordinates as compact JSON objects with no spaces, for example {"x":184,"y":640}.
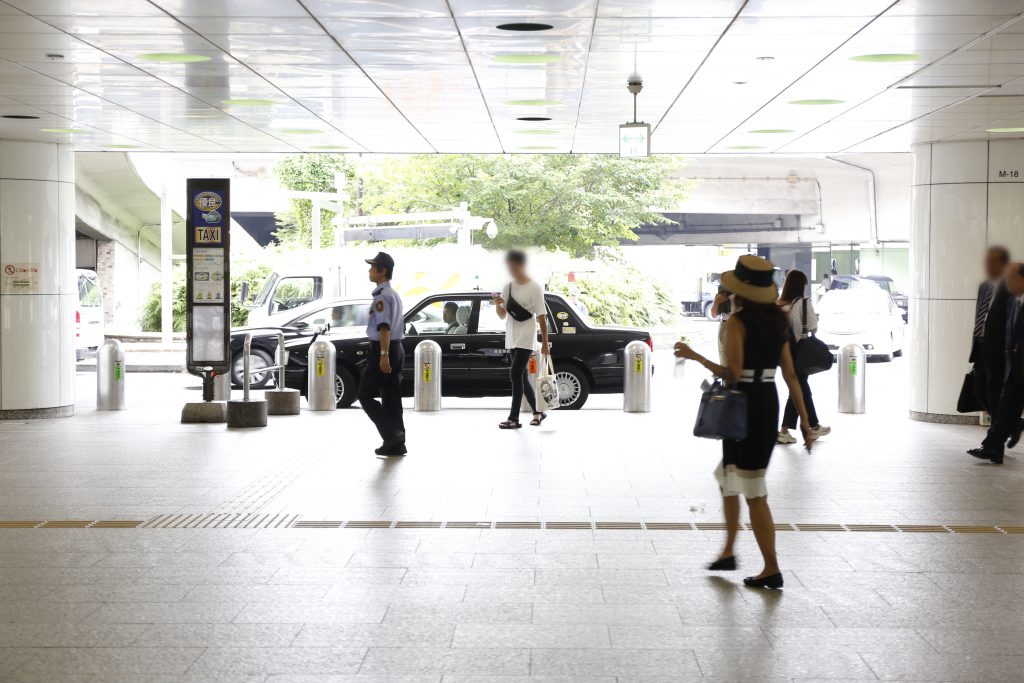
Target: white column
{"x":37,"y":232}
{"x":967,"y":196}
{"x":166,"y":270}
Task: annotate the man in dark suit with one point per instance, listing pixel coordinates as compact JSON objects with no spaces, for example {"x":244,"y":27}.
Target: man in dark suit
{"x":1005,"y":430}
{"x":988,"y":340}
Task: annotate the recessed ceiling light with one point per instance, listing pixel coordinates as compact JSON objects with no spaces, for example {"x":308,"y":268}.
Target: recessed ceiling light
{"x":247,"y":102}
{"x":329,"y":147}
{"x":538,"y":148}
{"x":67,"y":131}
{"x":766,"y":58}
{"x":886,"y":57}
{"x":770,"y":131}
{"x":122,"y":146}
{"x":299,"y":131}
{"x":746,"y":147}
{"x":533,"y":118}
{"x":1004,"y":130}
{"x":525,"y":26}
{"x":816,"y":102}
{"x":533,"y":103}
{"x":19,"y":117}
{"x":527,"y":59}
{"x":535,"y":131}
{"x":739,"y":82}
{"x":173,"y":57}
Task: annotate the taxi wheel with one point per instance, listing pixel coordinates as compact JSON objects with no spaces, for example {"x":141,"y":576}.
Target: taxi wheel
{"x":258,"y":358}
{"x":573,"y":387}
{"x":344,"y":388}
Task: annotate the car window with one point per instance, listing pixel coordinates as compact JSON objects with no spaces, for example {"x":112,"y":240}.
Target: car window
{"x":345,"y":315}
{"x":489,"y":322}
{"x":441,"y":316}
{"x":293,"y":292}
{"x":88,"y":292}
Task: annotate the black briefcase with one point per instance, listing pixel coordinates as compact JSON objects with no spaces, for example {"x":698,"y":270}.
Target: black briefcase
{"x":968,"y":401}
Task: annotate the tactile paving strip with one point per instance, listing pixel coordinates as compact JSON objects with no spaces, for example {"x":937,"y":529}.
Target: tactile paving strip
{"x":256,"y":520}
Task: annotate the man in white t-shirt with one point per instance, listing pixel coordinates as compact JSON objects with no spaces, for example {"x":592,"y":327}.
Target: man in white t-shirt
{"x":521,"y":305}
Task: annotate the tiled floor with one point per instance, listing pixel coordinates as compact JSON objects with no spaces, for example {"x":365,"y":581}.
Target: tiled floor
{"x":398,"y":604}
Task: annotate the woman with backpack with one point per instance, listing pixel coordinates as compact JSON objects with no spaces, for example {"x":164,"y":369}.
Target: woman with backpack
{"x":803,"y":321}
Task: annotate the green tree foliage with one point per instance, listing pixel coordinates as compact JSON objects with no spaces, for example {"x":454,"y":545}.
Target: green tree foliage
{"x":150,"y":318}
{"x":562,"y":202}
{"x":618,"y":294}
{"x":309,"y":173}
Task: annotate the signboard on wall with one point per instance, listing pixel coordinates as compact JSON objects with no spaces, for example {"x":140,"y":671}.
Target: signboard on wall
{"x":20,"y":278}
{"x":208,"y":284}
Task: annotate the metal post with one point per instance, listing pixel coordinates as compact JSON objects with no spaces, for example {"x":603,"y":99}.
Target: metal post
{"x":427,"y":379}
{"x":320,"y":387}
{"x":247,"y":413}
{"x":637,"y":378}
{"x":280,"y":399}
{"x":110,"y":376}
{"x":852,"y":371}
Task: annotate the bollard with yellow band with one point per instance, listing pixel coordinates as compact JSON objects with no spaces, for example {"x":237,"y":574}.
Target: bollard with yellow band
{"x":637,"y":378}
{"x":321,"y":382}
{"x":427,"y":377}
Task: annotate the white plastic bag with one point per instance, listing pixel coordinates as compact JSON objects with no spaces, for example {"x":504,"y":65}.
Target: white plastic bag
{"x":545,"y":387}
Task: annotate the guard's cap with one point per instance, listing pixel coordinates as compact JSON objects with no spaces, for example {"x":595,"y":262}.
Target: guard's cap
{"x":382,"y":260}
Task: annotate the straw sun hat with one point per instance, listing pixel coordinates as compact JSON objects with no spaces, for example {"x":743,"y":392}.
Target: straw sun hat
{"x":752,"y":279}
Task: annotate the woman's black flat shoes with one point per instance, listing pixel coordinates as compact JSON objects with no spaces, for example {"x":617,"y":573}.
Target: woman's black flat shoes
{"x":773,"y":581}
{"x":726,"y":564}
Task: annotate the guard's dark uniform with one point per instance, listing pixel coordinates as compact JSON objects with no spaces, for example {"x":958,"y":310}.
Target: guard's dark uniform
{"x":385,"y":311}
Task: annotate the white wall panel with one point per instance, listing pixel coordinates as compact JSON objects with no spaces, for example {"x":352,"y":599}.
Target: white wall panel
{"x":960,"y":162}
{"x":30,"y":368}
{"x":28,"y":229}
{"x":1006,"y":217}
{"x":22,"y":160}
{"x":957,"y":240}
{"x":949,"y":348}
{"x":917,"y":355}
{"x":922,"y":164}
{"x":921,"y":202}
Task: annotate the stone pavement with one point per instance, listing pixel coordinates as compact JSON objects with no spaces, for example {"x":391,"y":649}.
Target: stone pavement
{"x":572,"y":552}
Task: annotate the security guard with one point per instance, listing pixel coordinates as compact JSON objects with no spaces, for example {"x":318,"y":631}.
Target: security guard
{"x":382,"y":376}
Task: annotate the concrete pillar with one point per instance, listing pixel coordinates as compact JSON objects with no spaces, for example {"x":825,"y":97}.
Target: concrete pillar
{"x":37,"y":302}
{"x":966,"y":196}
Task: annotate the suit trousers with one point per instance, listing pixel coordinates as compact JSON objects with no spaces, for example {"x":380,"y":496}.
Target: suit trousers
{"x":386,"y":413}
{"x":1006,"y":417}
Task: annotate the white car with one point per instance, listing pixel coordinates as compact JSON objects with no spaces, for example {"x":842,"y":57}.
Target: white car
{"x":862,"y":315}
{"x":88,"y":314}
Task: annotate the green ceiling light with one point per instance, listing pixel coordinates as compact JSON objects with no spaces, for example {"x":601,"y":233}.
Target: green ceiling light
{"x":527,"y":59}
{"x":812,"y":103}
{"x":746,"y":147}
{"x":329,"y":147}
{"x":173,"y":57}
{"x":771,"y":131}
{"x":538,"y":148}
{"x":248,"y":102}
{"x":886,"y":57}
{"x":300,"y":131}
{"x":535,"y":131}
{"x":1004,"y":130}
{"x":64,"y":131}
{"x":533,"y":103}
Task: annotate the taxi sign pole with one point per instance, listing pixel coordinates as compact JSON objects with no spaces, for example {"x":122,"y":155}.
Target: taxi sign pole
{"x":207,"y":291}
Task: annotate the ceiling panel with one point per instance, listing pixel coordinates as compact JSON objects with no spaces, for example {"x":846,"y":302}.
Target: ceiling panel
{"x":721,"y":76}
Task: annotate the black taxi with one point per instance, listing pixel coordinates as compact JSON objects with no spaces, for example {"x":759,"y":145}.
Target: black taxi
{"x":587,"y":358}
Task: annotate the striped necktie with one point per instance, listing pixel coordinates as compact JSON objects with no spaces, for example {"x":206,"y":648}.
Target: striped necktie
{"x":982,"y":312}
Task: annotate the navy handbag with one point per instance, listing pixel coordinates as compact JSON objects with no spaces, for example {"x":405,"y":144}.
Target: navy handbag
{"x":722,"y":413}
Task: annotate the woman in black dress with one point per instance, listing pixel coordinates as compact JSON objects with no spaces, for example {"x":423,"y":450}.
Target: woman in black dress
{"x":756,"y":343}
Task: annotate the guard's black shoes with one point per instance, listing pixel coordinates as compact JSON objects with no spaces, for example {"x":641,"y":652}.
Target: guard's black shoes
{"x":772,"y":581}
{"x":391,"y":449}
{"x":1015,"y":434}
{"x":986,"y":454}
{"x":725,"y":564}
